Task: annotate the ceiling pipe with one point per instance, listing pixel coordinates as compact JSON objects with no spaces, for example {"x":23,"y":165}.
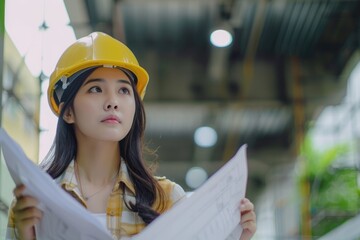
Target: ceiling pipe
{"x":257,"y":27}
{"x":253,"y":42}
{"x":219,"y":56}
{"x":79,"y":17}
{"x":231,"y":142}
{"x":118,"y":28}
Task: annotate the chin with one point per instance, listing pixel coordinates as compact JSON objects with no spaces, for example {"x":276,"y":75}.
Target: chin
{"x":112,"y":137}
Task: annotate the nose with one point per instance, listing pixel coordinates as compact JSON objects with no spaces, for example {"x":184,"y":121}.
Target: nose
{"x":111,"y":106}
{"x":111,"y":103}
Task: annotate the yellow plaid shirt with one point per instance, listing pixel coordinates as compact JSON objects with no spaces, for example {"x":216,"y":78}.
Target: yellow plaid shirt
{"x":120,"y":221}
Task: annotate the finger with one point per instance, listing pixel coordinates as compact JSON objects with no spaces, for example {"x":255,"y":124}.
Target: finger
{"x":249,"y":216}
{"x":28,"y":213}
{"x":249,"y":226}
{"x":18,"y":191}
{"x":246,"y":205}
{"x":29,"y":222}
{"x":25,"y":202}
{"x":244,"y":200}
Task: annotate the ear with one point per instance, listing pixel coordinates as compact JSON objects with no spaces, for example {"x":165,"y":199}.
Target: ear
{"x":68,"y":114}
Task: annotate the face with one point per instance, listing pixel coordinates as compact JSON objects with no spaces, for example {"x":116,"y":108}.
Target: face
{"x":104,"y":106}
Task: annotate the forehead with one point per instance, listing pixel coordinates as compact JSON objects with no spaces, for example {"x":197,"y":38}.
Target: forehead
{"x":108,"y":73}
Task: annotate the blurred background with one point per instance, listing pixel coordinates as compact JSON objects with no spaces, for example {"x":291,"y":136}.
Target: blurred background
{"x":282,"y":76}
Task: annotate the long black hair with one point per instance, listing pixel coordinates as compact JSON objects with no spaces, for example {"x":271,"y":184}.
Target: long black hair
{"x":64,"y":148}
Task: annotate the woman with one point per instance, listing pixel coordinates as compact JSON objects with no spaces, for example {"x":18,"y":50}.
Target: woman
{"x":96,"y":91}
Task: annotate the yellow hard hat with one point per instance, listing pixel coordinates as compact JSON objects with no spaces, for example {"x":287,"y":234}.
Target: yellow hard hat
{"x":96,"y":49}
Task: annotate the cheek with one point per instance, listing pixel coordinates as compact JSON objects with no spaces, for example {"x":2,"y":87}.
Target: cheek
{"x":83,"y":109}
{"x":131,"y":113}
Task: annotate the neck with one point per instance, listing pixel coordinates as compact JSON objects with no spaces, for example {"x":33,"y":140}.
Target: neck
{"x":98,"y":162}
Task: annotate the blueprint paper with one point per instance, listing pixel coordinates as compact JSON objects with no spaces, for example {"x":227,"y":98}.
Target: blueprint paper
{"x":211,"y":212}
{"x":63,"y":217}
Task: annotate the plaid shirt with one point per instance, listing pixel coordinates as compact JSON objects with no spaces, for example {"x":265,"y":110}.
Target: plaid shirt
{"x":120,"y":221}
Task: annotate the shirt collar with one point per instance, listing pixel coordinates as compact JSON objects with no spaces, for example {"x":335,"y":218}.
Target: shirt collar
{"x":123,"y":177}
{"x":68,"y":179}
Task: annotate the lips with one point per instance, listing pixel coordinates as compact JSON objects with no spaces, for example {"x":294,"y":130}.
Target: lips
{"x":111,"y":119}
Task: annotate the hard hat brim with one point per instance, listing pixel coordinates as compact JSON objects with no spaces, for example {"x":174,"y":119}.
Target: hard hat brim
{"x":140,"y":73}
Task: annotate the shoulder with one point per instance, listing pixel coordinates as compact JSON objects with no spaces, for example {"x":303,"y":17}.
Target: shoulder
{"x":164,"y":182}
{"x":160,"y":178}
{"x":173,"y":190}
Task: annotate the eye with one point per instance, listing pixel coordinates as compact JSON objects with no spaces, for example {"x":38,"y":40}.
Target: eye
{"x":124,"y":90}
{"x":94,"y":89}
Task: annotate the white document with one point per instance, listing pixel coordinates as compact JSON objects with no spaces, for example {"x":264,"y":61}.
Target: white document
{"x":210,"y":213}
{"x":63,"y":217}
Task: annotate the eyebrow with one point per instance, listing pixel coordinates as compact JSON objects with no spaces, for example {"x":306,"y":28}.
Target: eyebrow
{"x":102,"y":80}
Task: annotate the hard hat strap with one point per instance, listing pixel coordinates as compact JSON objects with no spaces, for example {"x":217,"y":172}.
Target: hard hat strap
{"x":64,"y":82}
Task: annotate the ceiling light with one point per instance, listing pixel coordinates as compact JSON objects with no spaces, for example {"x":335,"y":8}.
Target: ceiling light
{"x":195,"y":177}
{"x":205,"y":137}
{"x":221,"y":38}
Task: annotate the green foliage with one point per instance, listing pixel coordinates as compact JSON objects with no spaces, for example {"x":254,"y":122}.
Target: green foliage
{"x":334,"y":194}
{"x":316,"y":162}
{"x":326,"y":225}
{"x":334,"y":199}
{"x":336,"y":190}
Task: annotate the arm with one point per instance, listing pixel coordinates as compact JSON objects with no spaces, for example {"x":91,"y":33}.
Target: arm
{"x":23,"y":216}
{"x":248,"y":219}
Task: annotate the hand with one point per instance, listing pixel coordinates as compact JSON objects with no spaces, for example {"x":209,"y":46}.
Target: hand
{"x":26,"y":214}
{"x":248,"y":219}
